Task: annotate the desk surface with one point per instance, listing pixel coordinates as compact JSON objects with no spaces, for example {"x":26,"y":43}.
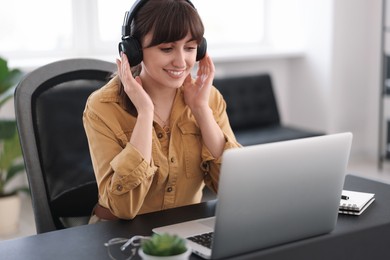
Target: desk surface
{"x":355,"y":237}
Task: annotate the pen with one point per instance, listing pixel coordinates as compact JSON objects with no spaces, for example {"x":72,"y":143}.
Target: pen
{"x":343,"y":197}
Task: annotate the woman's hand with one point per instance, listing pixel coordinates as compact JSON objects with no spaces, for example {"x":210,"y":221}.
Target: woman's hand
{"x":196,"y":94}
{"x":141,"y":137}
{"x":133,"y":87}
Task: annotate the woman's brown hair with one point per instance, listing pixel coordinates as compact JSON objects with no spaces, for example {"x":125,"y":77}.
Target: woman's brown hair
{"x":169,"y":21}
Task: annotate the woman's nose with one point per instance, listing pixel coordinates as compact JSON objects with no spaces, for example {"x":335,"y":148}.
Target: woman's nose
{"x":179,"y":60}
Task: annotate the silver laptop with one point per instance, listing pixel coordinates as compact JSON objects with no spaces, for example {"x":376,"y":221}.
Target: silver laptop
{"x":272,"y":194}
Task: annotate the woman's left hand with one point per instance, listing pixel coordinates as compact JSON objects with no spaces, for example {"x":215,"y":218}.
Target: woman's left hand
{"x":197,"y":93}
{"x":196,"y":96}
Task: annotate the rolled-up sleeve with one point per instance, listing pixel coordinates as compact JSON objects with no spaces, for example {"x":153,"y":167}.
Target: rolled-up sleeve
{"x":130,"y":170}
{"x":210,"y":165}
{"x":122,"y":174}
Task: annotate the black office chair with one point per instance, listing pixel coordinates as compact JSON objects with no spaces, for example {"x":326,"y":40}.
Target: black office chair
{"x":49,"y":103}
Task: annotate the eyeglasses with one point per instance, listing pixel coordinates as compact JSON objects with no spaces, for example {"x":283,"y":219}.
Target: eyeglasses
{"x":123,"y":248}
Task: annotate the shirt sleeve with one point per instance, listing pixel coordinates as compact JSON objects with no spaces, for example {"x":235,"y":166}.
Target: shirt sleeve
{"x":122,"y":174}
{"x":211,"y":166}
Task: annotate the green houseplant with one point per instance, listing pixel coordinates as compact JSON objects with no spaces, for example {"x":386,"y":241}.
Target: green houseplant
{"x":164,"y":246}
{"x":11,"y":162}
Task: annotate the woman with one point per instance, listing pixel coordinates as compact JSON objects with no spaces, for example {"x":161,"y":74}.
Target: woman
{"x":156,"y":135}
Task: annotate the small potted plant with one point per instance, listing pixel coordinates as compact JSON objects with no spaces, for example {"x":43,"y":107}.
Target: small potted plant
{"x":164,"y":246}
{"x":11,"y":161}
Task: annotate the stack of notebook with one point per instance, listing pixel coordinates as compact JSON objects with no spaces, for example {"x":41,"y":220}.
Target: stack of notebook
{"x":354,"y":202}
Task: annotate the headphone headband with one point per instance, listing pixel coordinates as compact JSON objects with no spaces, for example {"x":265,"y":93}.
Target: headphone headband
{"x":132,"y":47}
{"x":130,"y":15}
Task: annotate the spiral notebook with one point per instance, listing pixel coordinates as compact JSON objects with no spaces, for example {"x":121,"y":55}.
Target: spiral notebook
{"x":355,"y":202}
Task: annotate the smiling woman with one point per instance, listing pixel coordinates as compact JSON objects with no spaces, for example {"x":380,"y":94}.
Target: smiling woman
{"x":156,"y":134}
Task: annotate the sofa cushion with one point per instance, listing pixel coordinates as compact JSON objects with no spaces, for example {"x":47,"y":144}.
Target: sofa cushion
{"x":250,"y":101}
{"x":253,"y":111}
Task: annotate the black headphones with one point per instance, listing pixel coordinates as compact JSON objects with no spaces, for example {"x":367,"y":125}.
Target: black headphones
{"x":133,"y":48}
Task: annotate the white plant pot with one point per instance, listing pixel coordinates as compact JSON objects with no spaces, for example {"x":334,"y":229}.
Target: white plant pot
{"x":9,"y":214}
{"x":183,"y":256}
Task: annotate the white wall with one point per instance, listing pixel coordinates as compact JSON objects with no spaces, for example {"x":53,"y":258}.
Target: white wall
{"x":311,"y":76}
{"x":339,"y":77}
{"x":334,"y":86}
{"x":356,"y":72}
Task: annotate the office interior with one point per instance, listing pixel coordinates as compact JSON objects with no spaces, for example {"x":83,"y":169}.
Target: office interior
{"x":326,"y":61}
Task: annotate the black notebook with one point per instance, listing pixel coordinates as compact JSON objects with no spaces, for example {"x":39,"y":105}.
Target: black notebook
{"x":355,"y":202}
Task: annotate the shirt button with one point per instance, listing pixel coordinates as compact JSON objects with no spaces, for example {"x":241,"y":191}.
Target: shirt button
{"x":160,"y":135}
{"x":172,"y":159}
{"x":169,"y":189}
{"x":119,"y":187}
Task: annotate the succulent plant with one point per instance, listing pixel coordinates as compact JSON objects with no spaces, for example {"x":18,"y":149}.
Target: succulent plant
{"x":164,"y":245}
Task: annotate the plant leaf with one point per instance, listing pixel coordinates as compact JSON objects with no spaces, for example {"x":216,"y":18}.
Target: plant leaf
{"x":7,"y":128}
{"x":8,"y":80}
{"x":164,"y":245}
{"x":14,"y":170}
{"x":9,"y":93}
{"x":3,"y":71}
{"x":11,"y":152}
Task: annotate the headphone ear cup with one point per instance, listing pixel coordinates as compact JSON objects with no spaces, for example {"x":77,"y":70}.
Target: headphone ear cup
{"x":202,"y":49}
{"x":133,"y":50}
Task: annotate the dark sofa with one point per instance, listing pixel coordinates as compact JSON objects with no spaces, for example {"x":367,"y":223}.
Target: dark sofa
{"x":253,"y":110}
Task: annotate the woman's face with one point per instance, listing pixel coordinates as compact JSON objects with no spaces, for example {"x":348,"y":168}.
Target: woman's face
{"x":168,"y":64}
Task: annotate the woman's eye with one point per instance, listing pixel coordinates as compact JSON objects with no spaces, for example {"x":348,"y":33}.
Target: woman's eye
{"x":168,"y":49}
{"x":190,"y":48}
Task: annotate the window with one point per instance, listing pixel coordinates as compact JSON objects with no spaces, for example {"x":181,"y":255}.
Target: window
{"x":31,"y":29}
{"x":92,"y":28}
{"x":225,"y":22}
{"x":228,"y":23}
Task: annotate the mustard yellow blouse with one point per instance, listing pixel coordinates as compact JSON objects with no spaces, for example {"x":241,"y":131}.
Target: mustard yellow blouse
{"x":181,"y":164}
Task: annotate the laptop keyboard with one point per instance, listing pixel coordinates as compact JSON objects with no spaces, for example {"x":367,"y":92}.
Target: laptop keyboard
{"x":203,"y":239}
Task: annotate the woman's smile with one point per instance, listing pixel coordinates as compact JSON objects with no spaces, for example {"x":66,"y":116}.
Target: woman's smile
{"x":175,"y":73}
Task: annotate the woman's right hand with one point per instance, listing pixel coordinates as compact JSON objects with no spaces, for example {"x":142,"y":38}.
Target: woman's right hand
{"x":133,"y":87}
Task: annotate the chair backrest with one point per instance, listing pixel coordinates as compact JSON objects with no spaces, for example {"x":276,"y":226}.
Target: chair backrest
{"x":49,"y":103}
{"x":250,"y":100}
